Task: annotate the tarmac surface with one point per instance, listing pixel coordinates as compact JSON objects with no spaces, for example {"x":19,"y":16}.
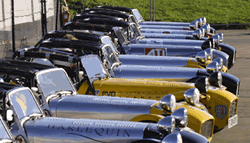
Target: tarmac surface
{"x":240,"y":39}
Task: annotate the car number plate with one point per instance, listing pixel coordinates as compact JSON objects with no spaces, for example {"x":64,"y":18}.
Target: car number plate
{"x":232,"y":121}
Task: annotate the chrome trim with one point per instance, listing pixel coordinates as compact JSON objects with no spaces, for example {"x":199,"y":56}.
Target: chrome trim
{"x":83,"y":130}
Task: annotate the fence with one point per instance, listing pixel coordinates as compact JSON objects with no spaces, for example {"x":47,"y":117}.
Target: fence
{"x":28,"y":27}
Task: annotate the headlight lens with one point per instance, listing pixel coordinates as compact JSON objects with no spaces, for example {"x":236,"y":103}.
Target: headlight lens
{"x":173,"y":138}
{"x":192,"y":96}
{"x":168,"y":102}
{"x":181,"y":117}
{"x":220,"y":62}
{"x":166,"y":125}
{"x":215,"y":79}
{"x":233,"y":108}
{"x":202,"y":84}
{"x":204,"y":19}
{"x":213,"y":66}
{"x":197,"y":34}
{"x":201,"y":57}
{"x":209,"y":53}
{"x":206,"y":129}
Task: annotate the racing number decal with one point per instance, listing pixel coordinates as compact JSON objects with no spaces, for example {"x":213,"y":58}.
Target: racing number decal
{"x":106,"y":93}
{"x":156,"y":51}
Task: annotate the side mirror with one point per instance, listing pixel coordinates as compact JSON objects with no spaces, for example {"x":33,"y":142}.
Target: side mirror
{"x":173,"y":138}
{"x":166,"y":125}
{"x":9,"y":115}
{"x":168,"y":103}
{"x":181,"y":117}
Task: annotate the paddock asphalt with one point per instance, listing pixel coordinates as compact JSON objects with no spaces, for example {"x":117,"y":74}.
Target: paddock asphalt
{"x":240,"y":39}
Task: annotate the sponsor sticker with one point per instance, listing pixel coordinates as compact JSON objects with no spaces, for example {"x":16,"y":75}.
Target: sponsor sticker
{"x":221,"y":111}
{"x":156,"y":51}
{"x":232,"y":121}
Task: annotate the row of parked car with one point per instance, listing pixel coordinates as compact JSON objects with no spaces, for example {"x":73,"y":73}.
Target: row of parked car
{"x":110,"y":76}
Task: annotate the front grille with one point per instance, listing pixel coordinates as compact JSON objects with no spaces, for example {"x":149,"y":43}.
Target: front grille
{"x":233,"y":108}
{"x":206,"y":129}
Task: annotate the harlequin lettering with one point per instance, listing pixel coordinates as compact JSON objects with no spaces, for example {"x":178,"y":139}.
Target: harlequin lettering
{"x":126,"y":133}
{"x":95,"y":131}
{"x":61,"y":127}
{"x":99,"y":131}
{"x":70,"y":128}
{"x":78,"y":129}
{"x":89,"y":130}
{"x":107,"y":132}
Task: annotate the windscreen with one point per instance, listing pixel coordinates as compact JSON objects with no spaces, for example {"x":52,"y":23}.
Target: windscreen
{"x":135,"y":29}
{"x":112,"y":57}
{"x":106,"y":40}
{"x":93,"y":66}
{"x":120,"y":35}
{"x":3,"y":132}
{"x":53,"y":81}
{"x":137,"y":15}
{"x":24,"y":103}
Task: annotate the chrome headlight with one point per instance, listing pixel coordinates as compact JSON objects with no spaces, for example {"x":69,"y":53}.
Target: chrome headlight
{"x":166,"y":125}
{"x":213,"y":66}
{"x":202,"y":32}
{"x":209,"y":53}
{"x":199,"y":22}
{"x":168,"y":103}
{"x":220,"y":62}
{"x":173,"y":138}
{"x":193,"y":25}
{"x":212,"y":30}
{"x":202,"y":84}
{"x":215,"y":79}
{"x":233,"y":108}
{"x":206,"y":129}
{"x":204,"y":20}
{"x":197,"y":34}
{"x":216,"y":38}
{"x":221,"y":37}
{"x":181,"y":117}
{"x":192,"y":96}
{"x":206,"y":27}
{"x":201,"y":57}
